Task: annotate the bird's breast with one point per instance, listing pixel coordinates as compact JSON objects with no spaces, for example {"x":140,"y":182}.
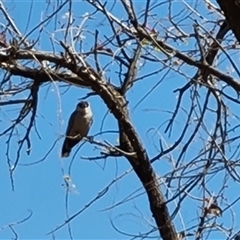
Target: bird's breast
{"x":81,"y":125}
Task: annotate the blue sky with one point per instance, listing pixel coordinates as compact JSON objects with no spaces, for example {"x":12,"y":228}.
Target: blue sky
{"x":39,"y":188}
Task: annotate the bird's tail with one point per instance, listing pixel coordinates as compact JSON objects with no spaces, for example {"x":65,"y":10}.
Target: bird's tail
{"x":66,"y":149}
{"x":67,"y":146}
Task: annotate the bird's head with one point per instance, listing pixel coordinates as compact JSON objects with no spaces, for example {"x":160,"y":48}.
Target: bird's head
{"x":83,"y":106}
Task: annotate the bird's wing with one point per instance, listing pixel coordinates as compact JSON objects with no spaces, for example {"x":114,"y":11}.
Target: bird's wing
{"x":71,"y":124}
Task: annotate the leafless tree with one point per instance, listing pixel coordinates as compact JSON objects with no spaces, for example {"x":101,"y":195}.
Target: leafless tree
{"x":183,"y":56}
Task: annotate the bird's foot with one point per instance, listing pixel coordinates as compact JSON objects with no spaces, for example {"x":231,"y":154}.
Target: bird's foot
{"x":90,"y":138}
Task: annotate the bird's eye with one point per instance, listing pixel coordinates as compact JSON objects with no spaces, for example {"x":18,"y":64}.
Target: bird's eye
{"x":83,"y":104}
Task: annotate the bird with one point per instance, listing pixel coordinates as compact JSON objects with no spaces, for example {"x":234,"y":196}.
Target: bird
{"x":78,"y":127}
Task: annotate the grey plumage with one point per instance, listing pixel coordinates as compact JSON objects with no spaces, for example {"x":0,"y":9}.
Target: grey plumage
{"x":78,"y":127}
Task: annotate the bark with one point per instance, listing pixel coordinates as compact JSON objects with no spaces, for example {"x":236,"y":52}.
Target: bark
{"x":231,"y":10}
